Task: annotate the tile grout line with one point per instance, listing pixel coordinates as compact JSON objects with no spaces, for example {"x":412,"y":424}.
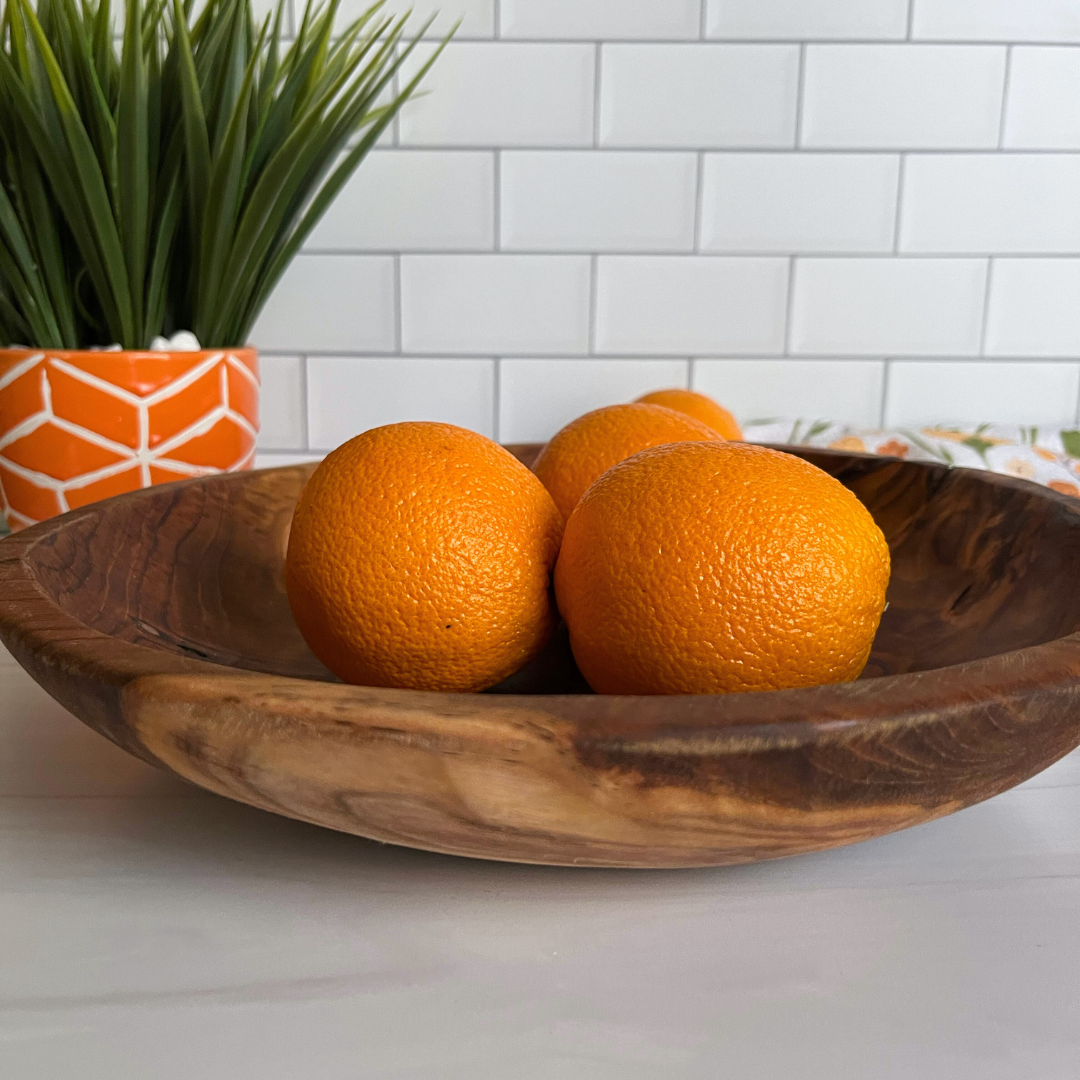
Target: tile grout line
{"x":800,"y":97}
{"x":879,"y":255}
{"x":496,"y":199}
{"x":789,"y":306}
{"x":884,"y":404}
{"x":482,"y":353}
{"x":496,"y":406}
{"x":901,"y":176}
{"x":853,"y":150}
{"x":496,"y":20}
{"x":475,"y":38}
{"x":305,"y":403}
{"x":699,"y":200}
{"x":594,"y":275}
{"x":910,"y":18}
{"x":990,"y":262}
{"x":598,"y":64}
{"x":703,"y":20}
{"x":399,"y":330}
{"x":1005,"y":88}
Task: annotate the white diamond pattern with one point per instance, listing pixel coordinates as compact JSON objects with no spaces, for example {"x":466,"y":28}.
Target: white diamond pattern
{"x":143,"y":455}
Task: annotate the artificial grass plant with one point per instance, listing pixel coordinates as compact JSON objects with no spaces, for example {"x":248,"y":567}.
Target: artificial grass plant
{"x":167,"y":183}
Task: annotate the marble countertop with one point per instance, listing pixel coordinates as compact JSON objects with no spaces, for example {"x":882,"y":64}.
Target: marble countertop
{"x":151,"y":931}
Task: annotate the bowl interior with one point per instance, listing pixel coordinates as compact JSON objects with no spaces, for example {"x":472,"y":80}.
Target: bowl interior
{"x":980,"y":567}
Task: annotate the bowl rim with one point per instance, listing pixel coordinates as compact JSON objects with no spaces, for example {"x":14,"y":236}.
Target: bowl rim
{"x":39,"y":632}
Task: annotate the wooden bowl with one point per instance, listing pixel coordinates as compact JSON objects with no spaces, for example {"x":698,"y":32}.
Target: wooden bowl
{"x":159,"y":618}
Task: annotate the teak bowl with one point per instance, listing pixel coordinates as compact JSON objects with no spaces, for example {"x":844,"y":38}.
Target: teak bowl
{"x":159,"y":619}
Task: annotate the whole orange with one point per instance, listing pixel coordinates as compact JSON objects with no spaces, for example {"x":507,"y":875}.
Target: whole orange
{"x":420,"y":557}
{"x":588,"y":446}
{"x":700,"y":406}
{"x":712,"y":567}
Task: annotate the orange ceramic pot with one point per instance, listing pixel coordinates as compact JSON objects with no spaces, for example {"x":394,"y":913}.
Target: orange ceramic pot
{"x":77,"y":426}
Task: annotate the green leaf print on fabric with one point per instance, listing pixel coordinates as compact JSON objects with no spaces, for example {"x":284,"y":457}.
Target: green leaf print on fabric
{"x":934,"y":450}
{"x":980,"y":446}
{"x":1070,"y":440}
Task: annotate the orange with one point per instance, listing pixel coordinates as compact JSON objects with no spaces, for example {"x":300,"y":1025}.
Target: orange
{"x":591,"y":444}
{"x":420,"y":557}
{"x":700,"y":406}
{"x":712,"y":567}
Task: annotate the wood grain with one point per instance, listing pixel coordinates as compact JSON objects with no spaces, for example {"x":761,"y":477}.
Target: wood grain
{"x":160,"y":619}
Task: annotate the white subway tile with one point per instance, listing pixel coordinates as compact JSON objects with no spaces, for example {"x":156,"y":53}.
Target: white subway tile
{"x":701,"y":95}
{"x":1007,"y":203}
{"x":807,"y":19}
{"x":600,"y":19}
{"x":1024,"y":392}
{"x":843,"y":390}
{"x":281,"y":403}
{"x":537,"y":397}
{"x":996,"y":20}
{"x":402,"y":200}
{"x":348,"y":395}
{"x":690,"y":304}
{"x":330,"y":302}
{"x":260,"y":9}
{"x":799,"y":202}
{"x":1033,"y":308}
{"x":495,"y":303}
{"x":478,"y":16}
{"x":898,"y":96}
{"x":598,"y":200}
{"x":502,"y":94}
{"x":276,"y":459}
{"x":888,"y":306}
{"x":1044,"y":87}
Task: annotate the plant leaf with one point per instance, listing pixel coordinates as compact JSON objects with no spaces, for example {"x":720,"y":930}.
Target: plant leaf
{"x":22,"y":277}
{"x":223,"y":199}
{"x":91,"y":183}
{"x":157,"y":286}
{"x":296,"y":170}
{"x":56,"y":165}
{"x":166,"y":182}
{"x":132,"y":139}
{"x":195,"y":132}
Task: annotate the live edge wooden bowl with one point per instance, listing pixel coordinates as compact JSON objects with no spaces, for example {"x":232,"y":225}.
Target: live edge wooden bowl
{"x":160,"y":620}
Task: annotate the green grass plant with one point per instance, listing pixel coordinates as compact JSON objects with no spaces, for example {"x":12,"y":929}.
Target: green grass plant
{"x":165,"y":181}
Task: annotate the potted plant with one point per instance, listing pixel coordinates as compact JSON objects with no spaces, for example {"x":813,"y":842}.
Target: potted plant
{"x":152,"y":193}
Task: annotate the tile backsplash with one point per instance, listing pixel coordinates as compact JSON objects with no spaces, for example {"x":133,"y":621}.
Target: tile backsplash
{"x":867,"y":210}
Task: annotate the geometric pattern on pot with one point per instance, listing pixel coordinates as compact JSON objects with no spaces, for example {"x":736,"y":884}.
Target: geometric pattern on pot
{"x":76,"y":427}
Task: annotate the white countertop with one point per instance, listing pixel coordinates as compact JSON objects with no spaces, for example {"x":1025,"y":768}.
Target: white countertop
{"x":150,"y":931}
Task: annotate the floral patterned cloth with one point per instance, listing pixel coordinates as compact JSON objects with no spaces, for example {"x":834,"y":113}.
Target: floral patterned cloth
{"x":1048,"y":456}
